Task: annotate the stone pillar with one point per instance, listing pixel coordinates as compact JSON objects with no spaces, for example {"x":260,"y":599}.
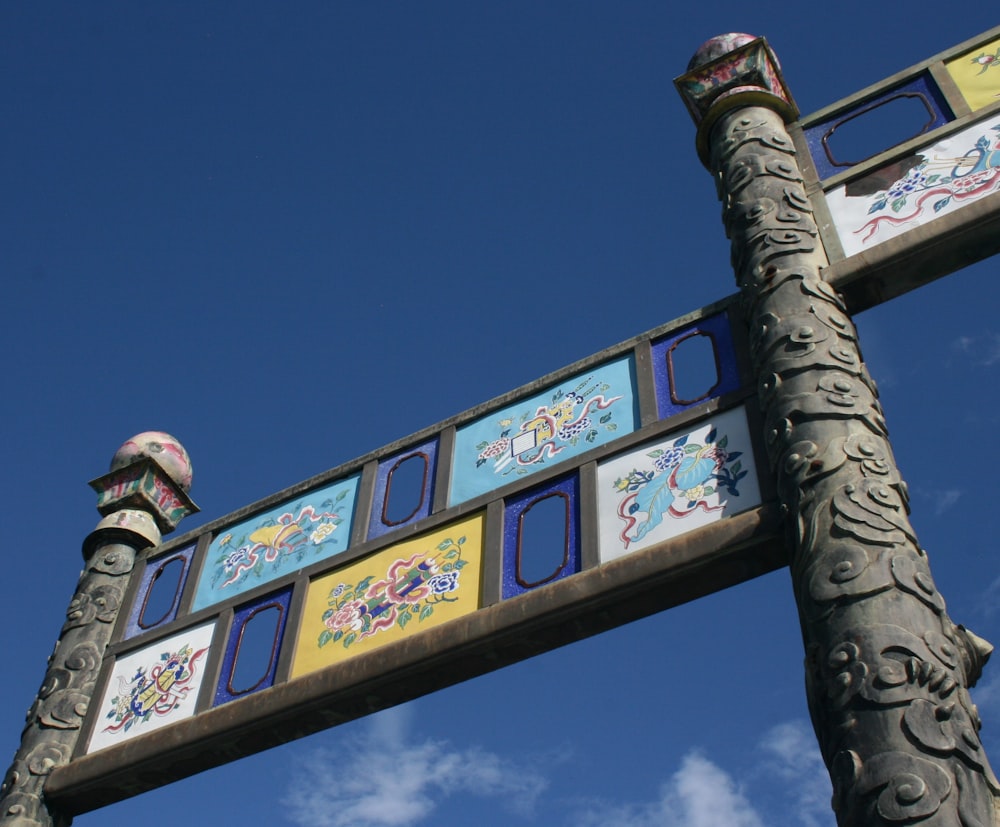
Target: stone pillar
{"x":887,"y":671}
{"x":144,"y":496}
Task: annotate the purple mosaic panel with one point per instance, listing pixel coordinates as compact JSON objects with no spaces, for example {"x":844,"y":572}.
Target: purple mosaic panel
{"x":261,"y":651}
{"x":566,"y":534}
{"x":919,"y":92}
{"x":669,"y":401}
{"x":161,"y":573}
{"x":382,"y":521}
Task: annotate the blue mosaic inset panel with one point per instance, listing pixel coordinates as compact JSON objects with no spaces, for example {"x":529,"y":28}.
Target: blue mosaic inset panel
{"x":667,"y":352}
{"x":314,"y":527}
{"x":562,"y":536}
{"x":382,"y":520}
{"x":557,"y":424}
{"x":159,"y":592}
{"x":261,"y":652}
{"x":926,"y":109}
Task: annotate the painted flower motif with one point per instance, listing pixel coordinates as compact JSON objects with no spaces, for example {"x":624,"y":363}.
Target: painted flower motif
{"x":567,"y":432}
{"x":669,"y":458}
{"x":696,"y":493}
{"x":236,"y":557}
{"x":350,"y":616}
{"x":972,"y":181}
{"x":495,"y":448}
{"x":123,"y":705}
{"x":443,"y":583}
{"x":915,"y":179}
{"x":322,"y":532}
{"x":337,"y":592}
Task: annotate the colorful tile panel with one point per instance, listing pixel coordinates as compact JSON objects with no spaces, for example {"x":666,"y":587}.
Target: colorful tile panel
{"x":398,"y":591}
{"x":153,"y":687}
{"x":313,"y":527}
{"x":676,"y":484}
{"x":382,"y":520}
{"x":934,"y":181}
{"x":668,"y":351}
{"x":556,"y":424}
{"x":977,"y":74}
{"x":921,"y":90}
{"x":564,"y":536}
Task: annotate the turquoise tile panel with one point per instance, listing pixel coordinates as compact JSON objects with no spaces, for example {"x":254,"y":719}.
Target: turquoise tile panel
{"x":300,"y":532}
{"x":552,"y":426}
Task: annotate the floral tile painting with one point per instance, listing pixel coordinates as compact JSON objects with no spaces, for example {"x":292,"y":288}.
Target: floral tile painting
{"x":313,"y":527}
{"x":556,"y":424}
{"x":153,"y":687}
{"x":933,"y":181}
{"x":678,"y":483}
{"x":399,"y":591}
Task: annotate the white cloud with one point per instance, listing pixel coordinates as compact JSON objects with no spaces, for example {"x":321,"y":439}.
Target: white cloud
{"x":795,"y":758}
{"x":946,"y":500}
{"x":699,"y":794}
{"x":791,"y":775}
{"x":984,"y":350}
{"x":390,"y":778}
{"x":986,"y":696}
{"x":383,"y":779}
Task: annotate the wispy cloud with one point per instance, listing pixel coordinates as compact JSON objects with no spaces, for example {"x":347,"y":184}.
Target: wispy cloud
{"x":703,"y":794}
{"x":982,"y":350}
{"x":387,"y":779}
{"x":938,"y":501}
{"x":391,"y":778}
{"x":699,"y":794}
{"x":795,"y":758}
{"x":946,"y":500}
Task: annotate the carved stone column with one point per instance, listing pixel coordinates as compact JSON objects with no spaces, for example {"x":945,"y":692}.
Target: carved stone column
{"x":144,"y":495}
{"x":887,"y":671}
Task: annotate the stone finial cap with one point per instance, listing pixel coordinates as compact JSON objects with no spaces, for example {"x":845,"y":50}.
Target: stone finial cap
{"x":731,"y":71}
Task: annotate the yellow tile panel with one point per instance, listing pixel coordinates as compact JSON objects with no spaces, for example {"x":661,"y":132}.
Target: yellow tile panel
{"x":977,"y":74}
{"x":398,"y":591}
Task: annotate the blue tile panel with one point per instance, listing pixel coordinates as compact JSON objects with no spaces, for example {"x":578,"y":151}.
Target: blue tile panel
{"x":921,"y":88}
{"x":564,"y":535}
{"x":717,"y":330}
{"x":275,"y":608}
{"x":381,"y":522}
{"x":161,"y":573}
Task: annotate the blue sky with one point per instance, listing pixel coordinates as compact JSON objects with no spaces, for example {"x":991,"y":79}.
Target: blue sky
{"x":290,"y":234}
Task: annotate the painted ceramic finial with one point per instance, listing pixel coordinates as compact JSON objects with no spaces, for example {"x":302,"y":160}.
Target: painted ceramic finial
{"x":718,"y":46}
{"x":163,"y":449}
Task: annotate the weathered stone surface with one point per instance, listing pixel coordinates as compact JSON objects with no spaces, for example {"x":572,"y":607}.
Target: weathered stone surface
{"x":55,"y":718}
{"x":887,"y":670}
